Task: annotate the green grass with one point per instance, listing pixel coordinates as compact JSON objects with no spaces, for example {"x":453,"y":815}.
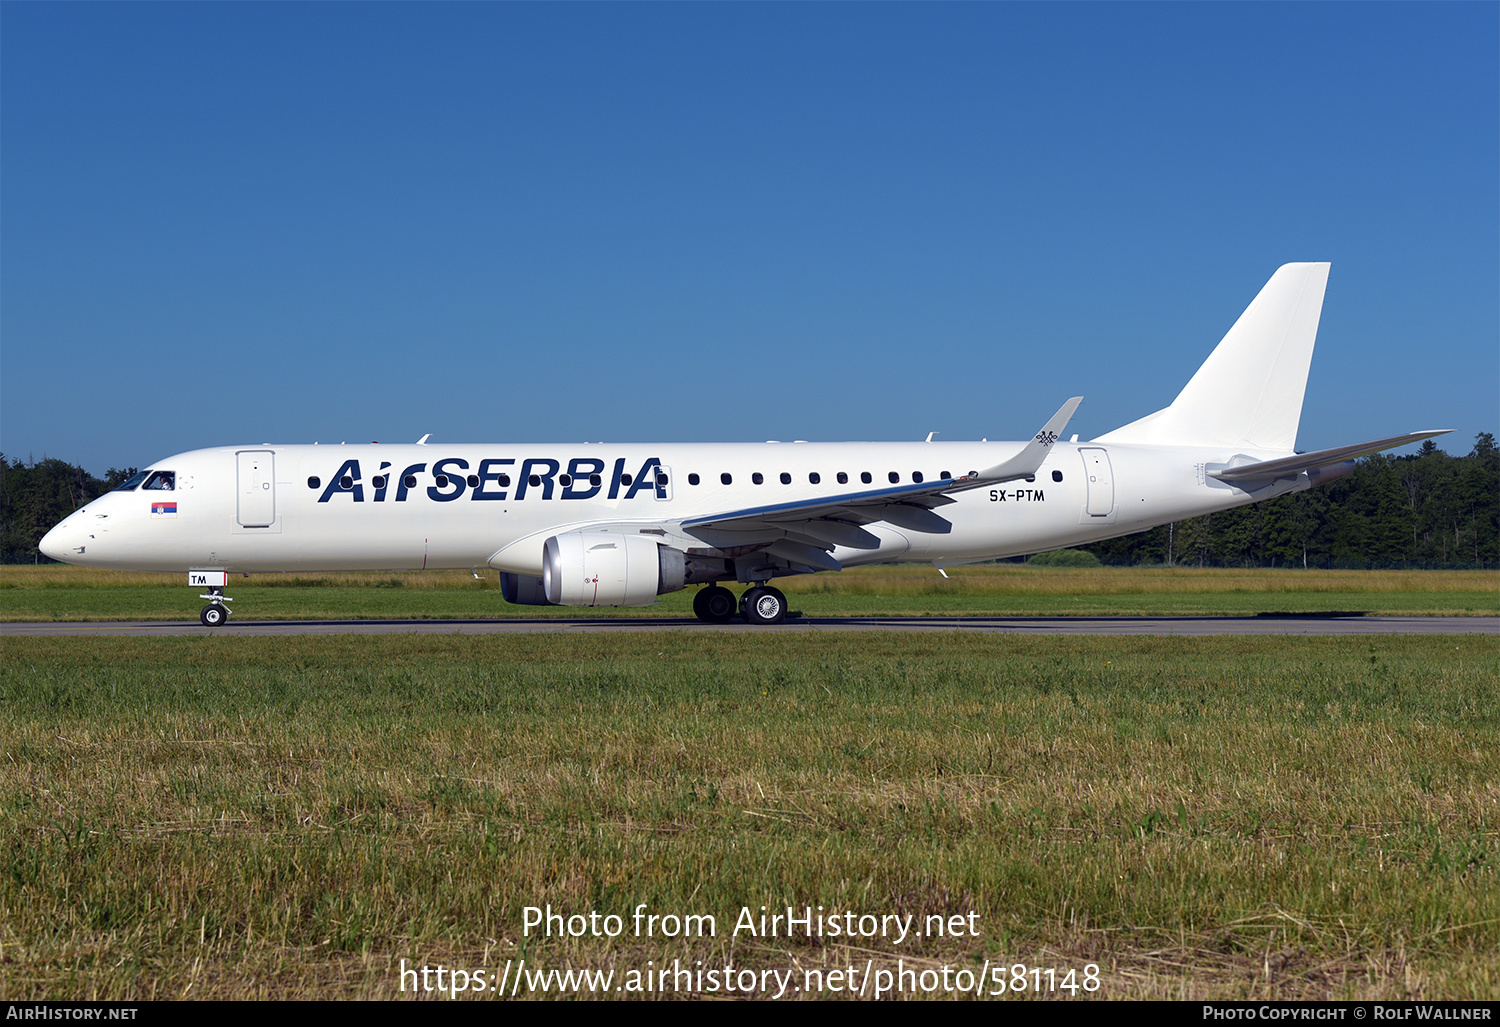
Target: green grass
{"x":1239,"y":817}
{"x":70,"y":593}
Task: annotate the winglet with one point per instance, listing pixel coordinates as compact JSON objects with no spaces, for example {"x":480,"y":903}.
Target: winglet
{"x":1030,"y":458}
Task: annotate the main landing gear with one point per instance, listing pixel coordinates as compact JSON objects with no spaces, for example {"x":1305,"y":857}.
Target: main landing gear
{"x":761,"y":604}
{"x":714,"y":604}
{"x":215,"y":614}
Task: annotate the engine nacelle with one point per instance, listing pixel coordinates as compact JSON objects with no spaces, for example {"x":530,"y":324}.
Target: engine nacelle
{"x":523,"y":589}
{"x":601,"y":568}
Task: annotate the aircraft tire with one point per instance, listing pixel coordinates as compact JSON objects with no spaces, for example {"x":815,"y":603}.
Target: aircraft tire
{"x":214,"y":616}
{"x":714,"y":604}
{"x":763,"y":605}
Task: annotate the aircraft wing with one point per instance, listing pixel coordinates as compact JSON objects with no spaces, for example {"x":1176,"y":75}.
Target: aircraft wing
{"x":822,"y":523}
{"x":1291,"y":466}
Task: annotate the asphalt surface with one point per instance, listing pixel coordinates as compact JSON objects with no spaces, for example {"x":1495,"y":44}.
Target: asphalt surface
{"x":1261,"y":625}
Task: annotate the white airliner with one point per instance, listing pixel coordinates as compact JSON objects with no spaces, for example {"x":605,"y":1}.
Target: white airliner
{"x":619,"y":525}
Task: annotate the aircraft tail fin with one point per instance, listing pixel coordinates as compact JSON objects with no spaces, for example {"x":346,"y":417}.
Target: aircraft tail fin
{"x":1248,"y":393}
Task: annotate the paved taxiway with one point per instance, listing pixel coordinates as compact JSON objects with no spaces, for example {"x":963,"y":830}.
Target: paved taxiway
{"x":1264,"y":625}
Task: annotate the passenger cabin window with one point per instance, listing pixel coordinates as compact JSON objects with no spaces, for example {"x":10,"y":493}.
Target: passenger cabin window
{"x":693,"y":479}
{"x":314,"y":482}
{"x":864,"y":476}
{"x":1057,"y":476}
{"x":161,"y":481}
{"x":944,"y":474}
{"x":916,"y":476}
{"x":726,"y":479}
{"x":843,"y":477}
{"x":815,"y":477}
{"x":786,"y":479}
{"x":894,"y":477}
{"x":133,"y":482}
{"x":758,"y":478}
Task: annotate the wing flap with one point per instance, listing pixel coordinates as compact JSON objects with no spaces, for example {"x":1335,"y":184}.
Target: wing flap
{"x":835,"y":533}
{"x":809,"y":556}
{"x":915,"y":518}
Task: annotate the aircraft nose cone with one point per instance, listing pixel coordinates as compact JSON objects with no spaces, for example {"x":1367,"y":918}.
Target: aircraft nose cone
{"x":54,"y":544}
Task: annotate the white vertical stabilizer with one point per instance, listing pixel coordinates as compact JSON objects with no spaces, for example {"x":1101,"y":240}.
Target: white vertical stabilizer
{"x":1248,"y":393}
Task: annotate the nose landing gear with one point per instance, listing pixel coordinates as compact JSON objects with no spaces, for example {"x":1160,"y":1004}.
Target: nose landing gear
{"x":215,"y":614}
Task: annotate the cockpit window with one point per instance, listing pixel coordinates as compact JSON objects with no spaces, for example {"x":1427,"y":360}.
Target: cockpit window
{"x":161,"y":481}
{"x":134,"y":480}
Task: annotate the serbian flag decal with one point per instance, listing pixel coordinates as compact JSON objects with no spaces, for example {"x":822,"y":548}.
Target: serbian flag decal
{"x":160,"y":509}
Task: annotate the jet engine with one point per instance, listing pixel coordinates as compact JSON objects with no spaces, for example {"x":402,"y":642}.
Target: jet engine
{"x":600,"y":568}
{"x":523,"y":589}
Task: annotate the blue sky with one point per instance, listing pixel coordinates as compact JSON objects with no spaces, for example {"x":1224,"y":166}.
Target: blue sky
{"x":231,"y":223}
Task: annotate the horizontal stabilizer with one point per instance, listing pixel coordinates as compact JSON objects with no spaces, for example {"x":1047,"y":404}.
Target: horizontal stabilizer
{"x":1291,"y":466}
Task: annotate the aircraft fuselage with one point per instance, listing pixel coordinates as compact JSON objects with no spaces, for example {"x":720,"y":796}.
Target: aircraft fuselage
{"x":257,"y":509}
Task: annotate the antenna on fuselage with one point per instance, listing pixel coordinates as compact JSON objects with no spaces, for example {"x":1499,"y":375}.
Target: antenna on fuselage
{"x":423,"y":440}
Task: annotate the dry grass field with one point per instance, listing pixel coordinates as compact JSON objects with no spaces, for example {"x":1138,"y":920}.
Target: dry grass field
{"x":1233,"y":818}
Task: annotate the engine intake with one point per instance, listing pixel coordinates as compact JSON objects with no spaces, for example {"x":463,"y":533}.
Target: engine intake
{"x":601,"y":568}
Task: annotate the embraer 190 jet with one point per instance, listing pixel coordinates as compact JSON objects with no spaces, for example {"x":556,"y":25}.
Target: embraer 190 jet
{"x":619,"y":525}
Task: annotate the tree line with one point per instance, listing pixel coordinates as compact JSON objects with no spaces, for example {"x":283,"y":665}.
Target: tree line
{"x":1428,"y":509}
{"x":35,"y":495}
